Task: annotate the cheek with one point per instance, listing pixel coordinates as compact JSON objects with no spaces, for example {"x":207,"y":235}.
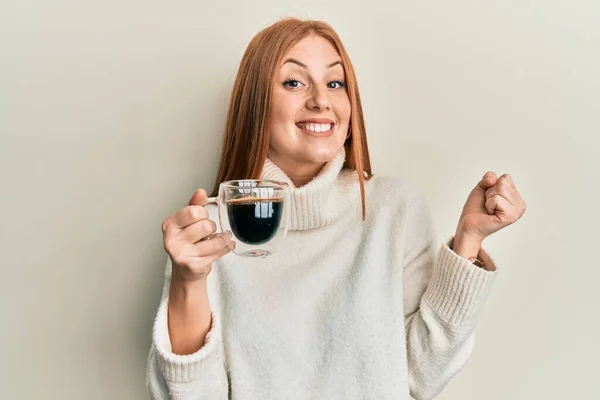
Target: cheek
{"x":343,"y":114}
{"x":278,"y":121}
{"x":279,"y":124}
{"x":277,"y":113}
{"x":284,"y":107}
{"x":347,"y":111}
{"x":343,"y":108}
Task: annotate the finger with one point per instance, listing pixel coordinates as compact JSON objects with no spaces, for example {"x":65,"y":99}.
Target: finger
{"x":199,"y":197}
{"x":215,"y":256}
{"x":188,"y":216}
{"x":509,"y":179}
{"x":197,"y":231}
{"x":497,"y":204}
{"x":503,"y":189}
{"x":489,"y":179}
{"x":212,"y":246}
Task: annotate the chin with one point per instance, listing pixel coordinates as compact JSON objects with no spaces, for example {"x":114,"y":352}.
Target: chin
{"x":322,"y":155}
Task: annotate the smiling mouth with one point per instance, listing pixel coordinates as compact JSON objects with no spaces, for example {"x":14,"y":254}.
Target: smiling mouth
{"x":316,"y":128}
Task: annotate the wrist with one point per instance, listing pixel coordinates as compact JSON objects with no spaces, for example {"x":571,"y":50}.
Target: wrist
{"x":466,"y":245}
{"x":186,"y":290}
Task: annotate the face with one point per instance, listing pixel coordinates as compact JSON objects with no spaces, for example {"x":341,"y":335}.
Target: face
{"x":311,"y":110}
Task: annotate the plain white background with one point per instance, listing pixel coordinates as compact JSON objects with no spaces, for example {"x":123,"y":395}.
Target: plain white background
{"x":111,"y":115}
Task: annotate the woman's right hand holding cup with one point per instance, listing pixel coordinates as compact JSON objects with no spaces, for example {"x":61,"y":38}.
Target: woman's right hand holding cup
{"x":188,"y":239}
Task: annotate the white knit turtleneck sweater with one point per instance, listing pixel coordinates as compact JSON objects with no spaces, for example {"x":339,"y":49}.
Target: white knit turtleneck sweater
{"x":345,"y":309}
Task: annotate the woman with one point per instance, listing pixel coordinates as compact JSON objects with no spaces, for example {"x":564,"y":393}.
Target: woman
{"x":356,"y":303}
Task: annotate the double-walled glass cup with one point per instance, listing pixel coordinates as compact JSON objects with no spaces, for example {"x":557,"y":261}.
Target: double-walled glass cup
{"x":256,"y":212}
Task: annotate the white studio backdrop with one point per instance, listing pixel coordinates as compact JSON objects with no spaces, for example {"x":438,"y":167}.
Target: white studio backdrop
{"x":111,"y":115}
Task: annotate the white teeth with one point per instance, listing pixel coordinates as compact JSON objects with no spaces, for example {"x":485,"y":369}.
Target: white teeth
{"x":315,"y":127}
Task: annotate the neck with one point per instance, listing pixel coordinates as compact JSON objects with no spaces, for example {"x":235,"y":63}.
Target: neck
{"x":299,"y":172}
{"x":329,"y":195}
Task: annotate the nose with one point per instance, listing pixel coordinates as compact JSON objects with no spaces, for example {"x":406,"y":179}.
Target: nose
{"x":319,"y":99}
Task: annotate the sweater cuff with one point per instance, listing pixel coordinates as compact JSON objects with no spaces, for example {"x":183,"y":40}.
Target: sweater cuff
{"x":458,"y":288}
{"x":186,"y":368}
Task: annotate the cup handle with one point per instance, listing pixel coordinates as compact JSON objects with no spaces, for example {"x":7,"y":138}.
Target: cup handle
{"x":215,"y":201}
{"x":211,"y":200}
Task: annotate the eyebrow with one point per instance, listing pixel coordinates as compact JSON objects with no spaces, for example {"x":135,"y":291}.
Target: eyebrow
{"x":294,"y":61}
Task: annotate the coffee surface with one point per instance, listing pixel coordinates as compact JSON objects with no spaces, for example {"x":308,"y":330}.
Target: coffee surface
{"x":255,"y":220}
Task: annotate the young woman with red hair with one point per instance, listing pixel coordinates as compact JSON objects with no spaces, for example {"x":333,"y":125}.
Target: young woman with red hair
{"x":358,"y":302}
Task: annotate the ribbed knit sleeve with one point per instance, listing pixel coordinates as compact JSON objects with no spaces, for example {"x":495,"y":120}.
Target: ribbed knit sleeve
{"x":197,"y":376}
{"x":443,"y":296}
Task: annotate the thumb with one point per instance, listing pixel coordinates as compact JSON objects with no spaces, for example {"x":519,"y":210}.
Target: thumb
{"x":199,"y":198}
{"x":489,"y":179}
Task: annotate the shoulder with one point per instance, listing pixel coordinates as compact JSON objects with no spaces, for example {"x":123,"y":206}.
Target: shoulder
{"x":397,"y":193}
{"x":400,"y":205}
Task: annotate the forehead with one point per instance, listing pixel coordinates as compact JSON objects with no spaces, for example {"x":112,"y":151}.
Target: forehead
{"x":313,"y":47}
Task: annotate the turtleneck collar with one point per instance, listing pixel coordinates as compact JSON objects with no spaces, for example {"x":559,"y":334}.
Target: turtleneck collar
{"x":322,"y":200}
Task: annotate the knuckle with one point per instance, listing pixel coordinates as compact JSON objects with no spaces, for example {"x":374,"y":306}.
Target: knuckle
{"x":211,"y":227}
{"x":223,"y":243}
{"x":169,"y":245}
{"x":205,"y":228}
{"x":165,"y":225}
{"x":220,"y":245}
{"x":202,"y":212}
{"x":193,"y":212}
{"x":226,"y":250}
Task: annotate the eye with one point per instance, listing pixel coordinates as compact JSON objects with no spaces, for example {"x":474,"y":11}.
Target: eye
{"x":292,"y":83}
{"x":336,"y":84}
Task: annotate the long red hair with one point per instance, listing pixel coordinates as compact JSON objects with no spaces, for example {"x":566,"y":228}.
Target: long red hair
{"x":246,"y":139}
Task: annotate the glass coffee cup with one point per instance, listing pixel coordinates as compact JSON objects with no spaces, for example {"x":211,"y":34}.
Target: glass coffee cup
{"x":256,"y":212}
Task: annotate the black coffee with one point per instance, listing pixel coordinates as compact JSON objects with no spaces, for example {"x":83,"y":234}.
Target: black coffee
{"x":253,"y":220}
